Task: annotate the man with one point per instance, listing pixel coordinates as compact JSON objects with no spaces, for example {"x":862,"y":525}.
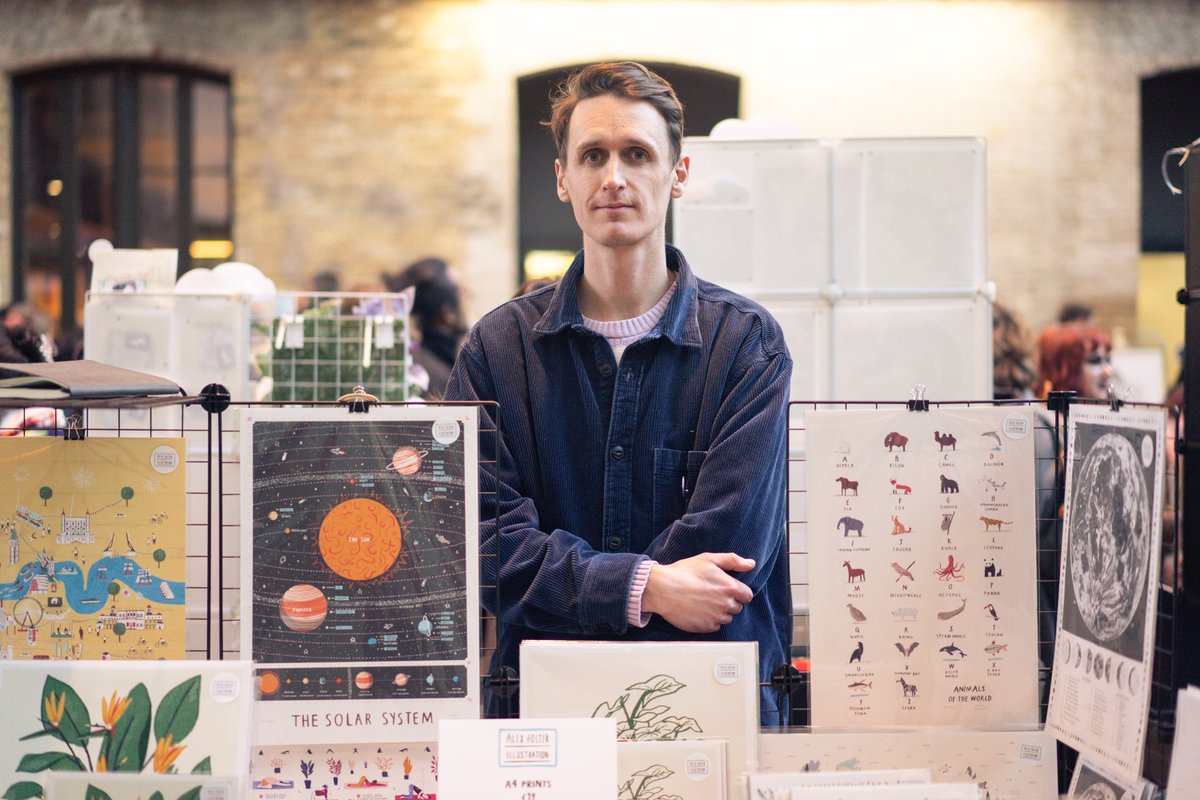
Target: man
{"x":642,"y":412}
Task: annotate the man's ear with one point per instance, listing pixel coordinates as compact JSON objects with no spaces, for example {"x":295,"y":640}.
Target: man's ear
{"x":681,"y":176}
{"x":558,"y":182}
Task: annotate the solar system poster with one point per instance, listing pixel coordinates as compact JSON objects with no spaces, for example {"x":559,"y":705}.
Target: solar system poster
{"x":1109,"y":572}
{"x":360,"y":572}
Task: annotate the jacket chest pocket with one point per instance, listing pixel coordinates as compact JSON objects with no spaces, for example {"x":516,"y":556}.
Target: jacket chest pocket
{"x":675,"y":474}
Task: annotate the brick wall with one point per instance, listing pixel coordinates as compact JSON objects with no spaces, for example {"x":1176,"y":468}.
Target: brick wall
{"x":368,"y":133}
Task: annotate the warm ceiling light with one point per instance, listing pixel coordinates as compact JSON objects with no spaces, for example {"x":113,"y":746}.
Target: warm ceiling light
{"x":547,"y":263}
{"x":211,"y":249}
{"x":54,"y":188}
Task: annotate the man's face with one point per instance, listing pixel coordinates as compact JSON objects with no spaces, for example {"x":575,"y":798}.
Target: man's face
{"x":619,"y":175}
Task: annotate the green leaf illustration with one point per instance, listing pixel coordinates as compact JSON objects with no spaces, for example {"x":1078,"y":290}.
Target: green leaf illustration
{"x":75,"y":724}
{"x":156,"y":796}
{"x":178,"y":711}
{"x":58,"y":762}
{"x":655,"y":772}
{"x":96,"y":794}
{"x":125,"y":751}
{"x":23,"y":790}
{"x":204,"y":767}
{"x":190,"y":794}
{"x":658,"y":685}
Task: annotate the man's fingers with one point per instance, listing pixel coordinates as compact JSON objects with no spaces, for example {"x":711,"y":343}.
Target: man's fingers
{"x":733,"y":562}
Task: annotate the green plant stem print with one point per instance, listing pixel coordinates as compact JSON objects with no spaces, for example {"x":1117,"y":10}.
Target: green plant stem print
{"x":641,"y":785}
{"x":639,"y":715}
{"x":94,"y":793}
{"x":118,"y":740}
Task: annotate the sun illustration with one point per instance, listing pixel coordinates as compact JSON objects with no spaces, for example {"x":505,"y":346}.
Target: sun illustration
{"x":359,"y":539}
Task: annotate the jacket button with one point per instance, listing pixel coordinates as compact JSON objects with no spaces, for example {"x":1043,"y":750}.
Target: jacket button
{"x":604,"y":627}
{"x":618,"y":452}
{"x":614,"y":543}
{"x":605,"y":370}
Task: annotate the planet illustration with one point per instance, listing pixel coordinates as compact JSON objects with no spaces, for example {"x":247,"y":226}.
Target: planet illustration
{"x":1109,"y":536}
{"x":359,"y":539}
{"x":364,"y":680}
{"x":268,"y":683}
{"x":425,"y":627}
{"x":401,"y":679}
{"x":303,"y":608}
{"x":406,"y":460}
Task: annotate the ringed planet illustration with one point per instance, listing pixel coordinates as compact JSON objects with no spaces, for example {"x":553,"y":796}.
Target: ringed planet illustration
{"x":303,"y":608}
{"x":359,"y":538}
{"x":401,"y":679}
{"x":406,"y":460}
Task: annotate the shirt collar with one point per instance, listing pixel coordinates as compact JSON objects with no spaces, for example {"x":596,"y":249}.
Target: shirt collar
{"x":679,"y":323}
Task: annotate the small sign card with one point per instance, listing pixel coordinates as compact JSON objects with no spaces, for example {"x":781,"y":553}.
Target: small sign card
{"x":527,"y":759}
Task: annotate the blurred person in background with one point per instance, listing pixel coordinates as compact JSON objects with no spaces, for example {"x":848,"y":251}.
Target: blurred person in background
{"x":437,"y":317}
{"x":1074,"y":357}
{"x":1013,"y":376}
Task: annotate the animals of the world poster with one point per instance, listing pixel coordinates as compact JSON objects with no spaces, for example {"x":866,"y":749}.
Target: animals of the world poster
{"x":94,"y":565}
{"x":151,"y":717}
{"x":360,"y":571}
{"x":921,"y":538}
{"x":1108,"y":584}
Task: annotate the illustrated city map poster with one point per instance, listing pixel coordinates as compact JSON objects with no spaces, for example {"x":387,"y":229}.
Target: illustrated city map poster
{"x":96,"y":560}
{"x":921,"y":540}
{"x":360,"y":571}
{"x":1108,"y":585}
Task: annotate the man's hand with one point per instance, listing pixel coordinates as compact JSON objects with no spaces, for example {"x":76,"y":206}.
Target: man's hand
{"x":696,"y":594}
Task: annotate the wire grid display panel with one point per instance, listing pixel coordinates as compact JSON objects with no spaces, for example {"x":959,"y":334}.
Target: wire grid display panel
{"x":136,"y":418}
{"x":316,"y":347}
{"x":229,"y":489}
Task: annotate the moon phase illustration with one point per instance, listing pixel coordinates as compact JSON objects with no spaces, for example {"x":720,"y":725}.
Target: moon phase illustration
{"x":1097,"y":791}
{"x":1109,"y":536}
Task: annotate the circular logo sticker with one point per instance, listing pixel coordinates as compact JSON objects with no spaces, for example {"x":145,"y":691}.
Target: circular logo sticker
{"x":446,"y":430}
{"x":697,"y":767}
{"x":164,"y":459}
{"x":214,"y":791}
{"x":727,"y":671}
{"x":1016,"y":426}
{"x":224,"y":688}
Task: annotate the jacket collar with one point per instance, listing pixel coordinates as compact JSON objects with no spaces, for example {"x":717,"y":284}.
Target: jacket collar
{"x":679,"y":323}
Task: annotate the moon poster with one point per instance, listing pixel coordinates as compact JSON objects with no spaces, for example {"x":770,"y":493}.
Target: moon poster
{"x":921,"y":533}
{"x":1109,"y":572}
{"x":96,"y":559}
{"x":360,"y":572}
{"x":1090,"y":782}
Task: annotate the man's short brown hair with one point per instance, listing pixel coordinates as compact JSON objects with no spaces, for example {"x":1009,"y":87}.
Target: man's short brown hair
{"x":621,"y":79}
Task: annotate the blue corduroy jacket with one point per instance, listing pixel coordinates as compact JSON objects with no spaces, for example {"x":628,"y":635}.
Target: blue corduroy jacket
{"x":679,"y":449}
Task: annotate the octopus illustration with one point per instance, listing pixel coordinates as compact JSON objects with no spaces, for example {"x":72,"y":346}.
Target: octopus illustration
{"x":951,"y":571}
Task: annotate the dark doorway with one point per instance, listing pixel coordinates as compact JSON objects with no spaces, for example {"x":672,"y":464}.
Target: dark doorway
{"x":1170,"y":118}
{"x":546,"y":224}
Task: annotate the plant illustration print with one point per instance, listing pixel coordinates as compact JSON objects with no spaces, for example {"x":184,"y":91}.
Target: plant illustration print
{"x":644,"y":720}
{"x":118,"y":742}
{"x":99,"y":794}
{"x":640,"y":785}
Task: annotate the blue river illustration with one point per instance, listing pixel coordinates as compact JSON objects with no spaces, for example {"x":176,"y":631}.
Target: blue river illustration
{"x":91,"y":596}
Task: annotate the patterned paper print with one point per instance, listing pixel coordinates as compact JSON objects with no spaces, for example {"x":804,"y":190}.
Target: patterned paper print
{"x":375,"y":771}
{"x":152,"y":717}
{"x":655,"y":690}
{"x":922,"y":576}
{"x":116,"y":786}
{"x":1090,"y":782}
{"x":360,"y":571}
{"x":684,"y":770}
{"x":1112,"y":533}
{"x":1006,"y":766}
{"x":95,"y":538}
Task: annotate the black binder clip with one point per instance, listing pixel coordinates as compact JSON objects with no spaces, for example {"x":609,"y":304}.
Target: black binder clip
{"x":918,"y":401}
{"x":358,"y":400}
{"x":1114,"y":402}
{"x":75,"y":432}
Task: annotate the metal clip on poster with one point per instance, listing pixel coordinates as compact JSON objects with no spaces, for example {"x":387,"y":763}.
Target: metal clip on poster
{"x":358,"y":400}
{"x":918,"y":401}
{"x":75,"y":431}
{"x":1114,"y":402}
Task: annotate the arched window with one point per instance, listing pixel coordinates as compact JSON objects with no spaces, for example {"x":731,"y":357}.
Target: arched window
{"x":548,"y":233}
{"x":138,"y":154}
{"x":1170,"y":118}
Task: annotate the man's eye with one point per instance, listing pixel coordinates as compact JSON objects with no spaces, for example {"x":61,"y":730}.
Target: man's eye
{"x":592,"y":157}
{"x":638,"y":154}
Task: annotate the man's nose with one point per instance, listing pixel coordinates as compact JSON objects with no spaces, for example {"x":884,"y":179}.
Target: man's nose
{"x":614,"y":178}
